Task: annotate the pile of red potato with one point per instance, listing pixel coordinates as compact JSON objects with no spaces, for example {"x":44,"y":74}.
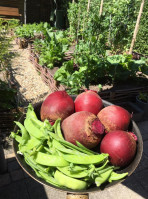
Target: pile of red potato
{"x":87,"y":121}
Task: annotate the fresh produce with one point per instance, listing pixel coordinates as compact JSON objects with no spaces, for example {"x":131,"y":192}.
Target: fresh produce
{"x":58,"y":162}
{"x":57,"y":105}
{"x":121,"y":147}
{"x":83,"y":127}
{"x":88,"y":101}
{"x":114,"y":118}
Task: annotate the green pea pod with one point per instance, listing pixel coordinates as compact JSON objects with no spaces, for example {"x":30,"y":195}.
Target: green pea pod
{"x":57,"y":128}
{"x":17,"y":137}
{"x":103,"y":166}
{"x":86,"y":159}
{"x":117,"y":176}
{"x":32,"y":143}
{"x":25,"y":135}
{"x":79,"y":174}
{"x":102,"y":178}
{"x":61,"y":148}
{"x":33,"y":129}
{"x":68,"y":144}
{"x":50,"y":160}
{"x":70,"y":182}
{"x":86,"y":149}
{"x":48,"y":178}
{"x":30,"y":112}
{"x":33,"y":163}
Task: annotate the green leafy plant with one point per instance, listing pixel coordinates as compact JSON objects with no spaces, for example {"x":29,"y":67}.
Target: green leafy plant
{"x":143,"y":97}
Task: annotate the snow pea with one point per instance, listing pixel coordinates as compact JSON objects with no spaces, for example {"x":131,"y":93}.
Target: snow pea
{"x":117,"y":176}
{"x":33,"y":129}
{"x":78,"y":174}
{"x":33,"y":163}
{"x":69,"y":182}
{"x":50,"y":160}
{"x":25,"y":135}
{"x":33,"y":142}
{"x":102,"y":178}
{"x":61,"y":148}
{"x":86,"y":149}
{"x":30,"y":112}
{"x":86,"y":159}
{"x":103,"y":166}
{"x":57,"y":128}
{"x":18,"y":138}
{"x":68,"y":144}
{"x":48,"y":178}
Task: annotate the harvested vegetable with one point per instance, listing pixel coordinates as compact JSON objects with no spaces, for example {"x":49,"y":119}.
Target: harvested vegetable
{"x":114,"y":118}
{"x":57,"y":105}
{"x":121,"y":147}
{"x":83,"y":127}
{"x":58,"y":162}
{"x":88,"y":101}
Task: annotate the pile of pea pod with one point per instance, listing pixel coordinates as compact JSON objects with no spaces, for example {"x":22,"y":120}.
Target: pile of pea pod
{"x":57,"y":161}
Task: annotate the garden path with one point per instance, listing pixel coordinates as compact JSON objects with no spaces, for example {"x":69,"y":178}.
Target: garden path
{"x":29,"y":85}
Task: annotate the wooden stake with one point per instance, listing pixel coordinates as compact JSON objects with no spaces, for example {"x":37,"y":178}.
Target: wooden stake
{"x":73,"y":1}
{"x":88,"y":5}
{"x":136,"y":27}
{"x":101,"y":8}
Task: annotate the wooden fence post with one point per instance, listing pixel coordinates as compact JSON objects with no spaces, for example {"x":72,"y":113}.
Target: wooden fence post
{"x":136,"y":27}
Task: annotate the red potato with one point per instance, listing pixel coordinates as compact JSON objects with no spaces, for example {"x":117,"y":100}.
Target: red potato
{"x":121,"y":147}
{"x":83,"y":127}
{"x":114,"y":118}
{"x":88,"y":101}
{"x":57,"y":105}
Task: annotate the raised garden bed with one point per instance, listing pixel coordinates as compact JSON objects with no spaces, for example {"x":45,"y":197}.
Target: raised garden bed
{"x":115,"y":96}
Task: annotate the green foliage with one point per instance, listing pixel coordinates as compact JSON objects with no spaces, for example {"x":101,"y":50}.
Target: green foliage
{"x":115,"y":26}
{"x":52,"y":49}
{"x":30,"y":30}
{"x":141,"y":44}
{"x":7,"y":96}
{"x":92,"y":69}
{"x":4,"y":46}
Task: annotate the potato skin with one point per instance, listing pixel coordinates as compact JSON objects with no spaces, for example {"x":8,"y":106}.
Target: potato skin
{"x":77,"y":127}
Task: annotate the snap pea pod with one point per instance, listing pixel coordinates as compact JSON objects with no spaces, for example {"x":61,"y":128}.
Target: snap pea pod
{"x":70,"y":182}
{"x":78,"y":174}
{"x":50,"y":160}
{"x":30,"y":112}
{"x":68,"y":144}
{"x":57,"y":128}
{"x":48,"y":178}
{"x":25,"y":135}
{"x":33,"y":164}
{"x":18,"y":138}
{"x":103,"y":166}
{"x":34,"y":130}
{"x":61,"y":148}
{"x":102,"y":178}
{"x":117,"y":176}
{"x":86,"y":159}
{"x":33,"y":142}
{"x":86,"y":149}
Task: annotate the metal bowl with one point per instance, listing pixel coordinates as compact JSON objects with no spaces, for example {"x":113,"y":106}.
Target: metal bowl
{"x":130,"y":168}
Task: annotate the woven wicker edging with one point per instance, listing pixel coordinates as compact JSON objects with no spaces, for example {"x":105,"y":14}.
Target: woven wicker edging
{"x":45,"y":73}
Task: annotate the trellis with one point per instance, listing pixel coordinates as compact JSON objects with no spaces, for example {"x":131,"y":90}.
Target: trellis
{"x":136,"y":26}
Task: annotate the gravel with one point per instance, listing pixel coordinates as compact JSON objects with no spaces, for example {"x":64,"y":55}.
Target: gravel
{"x":29,"y":85}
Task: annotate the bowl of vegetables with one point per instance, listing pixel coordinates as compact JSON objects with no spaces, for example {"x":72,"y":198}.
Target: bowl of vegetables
{"x":77,"y":144}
